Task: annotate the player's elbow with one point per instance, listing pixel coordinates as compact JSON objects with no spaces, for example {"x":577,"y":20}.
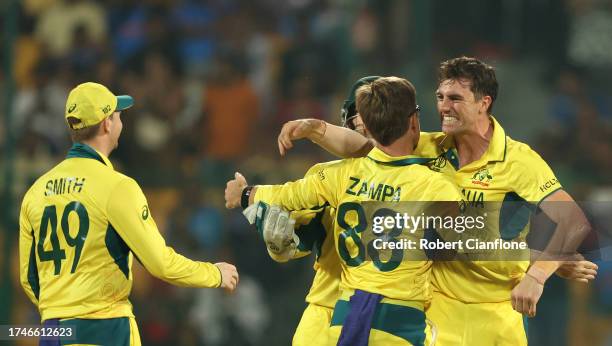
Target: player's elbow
{"x":157,"y":269}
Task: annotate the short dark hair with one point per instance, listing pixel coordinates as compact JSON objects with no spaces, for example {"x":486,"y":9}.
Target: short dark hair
{"x":85,"y":133}
{"x":481,"y":76}
{"x":385,"y":105}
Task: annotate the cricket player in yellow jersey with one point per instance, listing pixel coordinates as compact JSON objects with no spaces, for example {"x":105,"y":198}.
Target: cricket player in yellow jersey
{"x":81,"y":225}
{"x":479,"y":303}
{"x":313,"y":232}
{"x":490,"y":167}
{"x":381,"y":303}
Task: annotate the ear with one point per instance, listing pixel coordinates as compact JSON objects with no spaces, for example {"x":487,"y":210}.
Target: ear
{"x":486,"y":102}
{"x":106,"y":125}
{"x":415,"y":127}
{"x":414,"y":123}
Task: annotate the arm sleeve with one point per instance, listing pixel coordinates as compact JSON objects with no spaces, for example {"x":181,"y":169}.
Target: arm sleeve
{"x":28,"y":270}
{"x":129,"y":214}
{"x":535,"y":181}
{"x":311,"y":192}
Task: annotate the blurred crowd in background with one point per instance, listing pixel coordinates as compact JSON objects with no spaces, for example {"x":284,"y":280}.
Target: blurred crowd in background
{"x":213,"y":82}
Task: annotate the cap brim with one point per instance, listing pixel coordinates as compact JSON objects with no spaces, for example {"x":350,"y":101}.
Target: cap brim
{"x":124,"y":102}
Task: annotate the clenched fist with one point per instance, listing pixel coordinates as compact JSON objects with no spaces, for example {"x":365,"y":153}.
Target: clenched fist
{"x":229,"y":276}
{"x":233,"y":191}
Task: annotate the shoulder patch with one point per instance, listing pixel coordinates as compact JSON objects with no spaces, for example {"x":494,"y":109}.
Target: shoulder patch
{"x":145,"y":213}
{"x":321,"y":174}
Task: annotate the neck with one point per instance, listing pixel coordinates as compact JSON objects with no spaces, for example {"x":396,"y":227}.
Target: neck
{"x":471,"y":145}
{"x":99,"y":146}
{"x":401,"y":147}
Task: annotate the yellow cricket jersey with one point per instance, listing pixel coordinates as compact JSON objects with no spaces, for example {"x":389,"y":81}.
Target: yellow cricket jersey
{"x":79,"y":225}
{"x":508,"y":173}
{"x":325,"y":289}
{"x":315,"y":230}
{"x":343,"y":185}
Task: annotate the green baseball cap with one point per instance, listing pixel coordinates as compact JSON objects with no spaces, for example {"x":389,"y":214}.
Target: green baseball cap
{"x":348,"y":107}
{"x":92,"y":102}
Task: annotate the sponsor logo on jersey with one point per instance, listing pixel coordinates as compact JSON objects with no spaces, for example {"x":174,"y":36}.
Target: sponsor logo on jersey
{"x":321,"y":175}
{"x":145,"y":212}
{"x":547,"y":185}
{"x":71,"y":108}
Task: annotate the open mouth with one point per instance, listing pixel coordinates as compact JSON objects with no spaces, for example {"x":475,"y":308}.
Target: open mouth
{"x":448,"y":120}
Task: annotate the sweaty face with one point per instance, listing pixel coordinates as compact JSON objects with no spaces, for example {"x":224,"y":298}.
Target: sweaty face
{"x":458,"y":108}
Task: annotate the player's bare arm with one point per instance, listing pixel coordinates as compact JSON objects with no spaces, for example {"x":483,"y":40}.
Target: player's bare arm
{"x":572,"y":227}
{"x":337,"y":140}
{"x":575,"y":268}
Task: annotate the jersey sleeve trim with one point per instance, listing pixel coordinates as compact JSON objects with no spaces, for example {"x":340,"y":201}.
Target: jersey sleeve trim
{"x":548,"y":195}
{"x":118,"y":250}
{"x":33,"y":280}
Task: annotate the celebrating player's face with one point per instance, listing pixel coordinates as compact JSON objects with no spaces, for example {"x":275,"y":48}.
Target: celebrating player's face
{"x":458,"y":108}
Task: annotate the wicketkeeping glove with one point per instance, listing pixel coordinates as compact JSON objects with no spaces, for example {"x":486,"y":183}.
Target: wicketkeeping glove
{"x":277,"y":228}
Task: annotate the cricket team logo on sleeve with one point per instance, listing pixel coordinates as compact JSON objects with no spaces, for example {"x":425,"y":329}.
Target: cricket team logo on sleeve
{"x":438,"y":163}
{"x":145,"y":213}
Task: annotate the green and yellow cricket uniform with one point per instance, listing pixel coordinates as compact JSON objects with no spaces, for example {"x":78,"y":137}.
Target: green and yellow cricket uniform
{"x":81,"y":224}
{"x":344,"y":185}
{"x":471,"y":300}
{"x":315,"y":230}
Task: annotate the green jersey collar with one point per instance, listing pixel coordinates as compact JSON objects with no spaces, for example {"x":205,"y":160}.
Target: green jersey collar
{"x":80,"y":150}
{"x":382,"y":158}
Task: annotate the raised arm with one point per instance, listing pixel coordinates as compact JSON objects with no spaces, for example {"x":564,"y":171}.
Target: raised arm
{"x":339,"y":141}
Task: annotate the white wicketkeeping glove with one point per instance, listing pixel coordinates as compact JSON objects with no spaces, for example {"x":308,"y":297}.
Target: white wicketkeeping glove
{"x":277,"y":228}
